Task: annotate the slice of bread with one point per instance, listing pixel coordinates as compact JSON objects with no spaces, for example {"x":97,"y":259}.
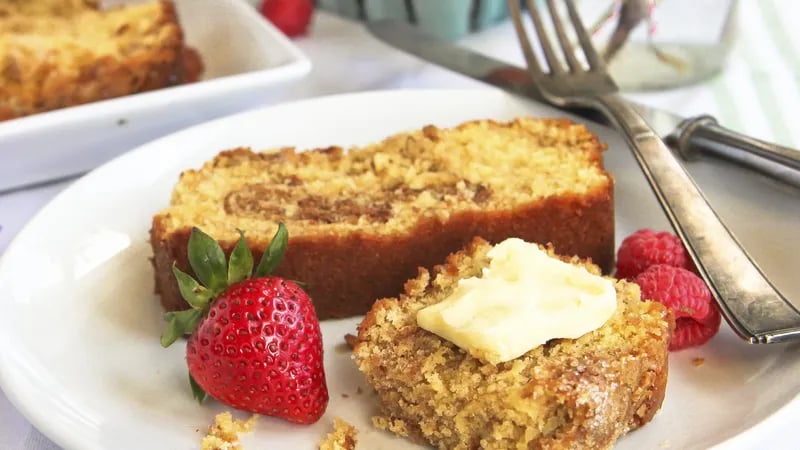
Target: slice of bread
{"x":361,"y":222}
{"x":55,"y":55}
{"x":567,"y":394}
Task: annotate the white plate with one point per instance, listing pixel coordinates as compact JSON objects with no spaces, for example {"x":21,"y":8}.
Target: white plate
{"x":243,"y":55}
{"x":79,"y":329}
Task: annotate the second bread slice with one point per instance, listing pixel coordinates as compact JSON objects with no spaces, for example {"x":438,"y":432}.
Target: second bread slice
{"x":362,"y":221}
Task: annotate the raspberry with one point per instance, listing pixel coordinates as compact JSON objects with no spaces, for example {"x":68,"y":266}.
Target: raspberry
{"x":687,"y":296}
{"x":646,"y":247}
{"x":690,"y":333}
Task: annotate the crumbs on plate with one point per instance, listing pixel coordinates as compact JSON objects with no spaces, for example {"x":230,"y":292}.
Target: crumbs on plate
{"x":224,"y":433}
{"x":351,"y":340}
{"x":343,"y":436}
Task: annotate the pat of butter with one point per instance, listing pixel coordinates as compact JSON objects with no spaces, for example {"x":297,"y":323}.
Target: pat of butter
{"x":522,"y":300}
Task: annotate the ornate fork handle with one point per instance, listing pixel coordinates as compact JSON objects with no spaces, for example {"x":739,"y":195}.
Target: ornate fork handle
{"x":759,"y":312}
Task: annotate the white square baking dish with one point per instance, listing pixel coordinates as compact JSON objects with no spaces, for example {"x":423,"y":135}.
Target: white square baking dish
{"x":244,"y":55}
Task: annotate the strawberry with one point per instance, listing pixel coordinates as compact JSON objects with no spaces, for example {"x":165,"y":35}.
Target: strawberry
{"x":290,"y":16}
{"x":254,"y":343}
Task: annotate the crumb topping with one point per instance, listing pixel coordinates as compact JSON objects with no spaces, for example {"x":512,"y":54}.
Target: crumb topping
{"x":388,"y":186}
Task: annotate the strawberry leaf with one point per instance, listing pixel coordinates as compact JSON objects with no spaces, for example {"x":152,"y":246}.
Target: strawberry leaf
{"x":240,"y":265}
{"x":197,"y":392}
{"x":207,"y":260}
{"x":274,"y":253}
{"x":195,"y":295}
{"x":180,"y":323}
{"x":302,"y":284}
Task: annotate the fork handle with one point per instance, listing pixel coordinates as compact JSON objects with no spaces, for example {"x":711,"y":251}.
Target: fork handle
{"x":750,"y":303}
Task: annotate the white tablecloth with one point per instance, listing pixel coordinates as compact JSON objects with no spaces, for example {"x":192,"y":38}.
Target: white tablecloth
{"x":758,"y":93}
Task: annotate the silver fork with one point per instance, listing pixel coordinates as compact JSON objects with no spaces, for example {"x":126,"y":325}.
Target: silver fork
{"x":750,"y":303}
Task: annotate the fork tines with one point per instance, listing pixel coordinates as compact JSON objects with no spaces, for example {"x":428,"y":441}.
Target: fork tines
{"x":554,"y":64}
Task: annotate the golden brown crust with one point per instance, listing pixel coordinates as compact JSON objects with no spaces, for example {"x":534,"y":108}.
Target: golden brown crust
{"x":52,"y":59}
{"x":346,"y":274}
{"x":347,"y":267}
{"x":568,"y":394}
{"x":45,"y":7}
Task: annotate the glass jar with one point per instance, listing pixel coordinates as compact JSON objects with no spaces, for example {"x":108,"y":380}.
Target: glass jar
{"x":669,"y":43}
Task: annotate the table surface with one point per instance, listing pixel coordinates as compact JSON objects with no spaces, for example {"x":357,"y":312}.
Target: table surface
{"x":758,"y":88}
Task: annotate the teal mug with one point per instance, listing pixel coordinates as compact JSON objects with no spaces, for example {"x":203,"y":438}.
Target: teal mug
{"x":445,"y":19}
